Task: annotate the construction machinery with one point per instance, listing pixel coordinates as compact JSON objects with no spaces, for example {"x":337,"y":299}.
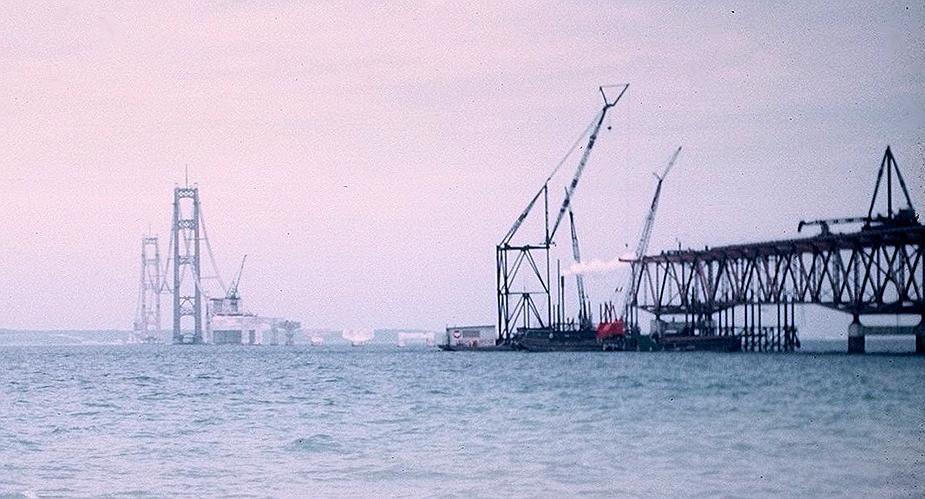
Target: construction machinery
{"x":525,"y":299}
{"x":902,"y":217}
{"x":233,"y":289}
{"x":749,"y":292}
{"x":584,"y":318}
{"x":643,"y":245}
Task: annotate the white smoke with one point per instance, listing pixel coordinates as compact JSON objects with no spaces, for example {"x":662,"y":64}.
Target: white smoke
{"x":597,"y":266}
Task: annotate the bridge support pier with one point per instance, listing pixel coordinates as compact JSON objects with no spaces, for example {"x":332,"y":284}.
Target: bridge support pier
{"x":856,"y":336}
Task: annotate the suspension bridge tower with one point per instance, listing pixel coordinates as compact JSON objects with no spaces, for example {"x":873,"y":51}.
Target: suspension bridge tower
{"x":187,"y":289}
{"x":148,"y":318}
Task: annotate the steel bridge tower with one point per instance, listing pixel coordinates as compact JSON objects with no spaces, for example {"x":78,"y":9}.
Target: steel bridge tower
{"x":187,"y":289}
{"x":148,"y":319}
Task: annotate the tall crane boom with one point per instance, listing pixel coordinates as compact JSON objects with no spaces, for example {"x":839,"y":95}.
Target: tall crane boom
{"x":583,"y":318}
{"x":525,"y":298}
{"x":233,"y":289}
{"x":643,"y":243}
{"x":570,"y":190}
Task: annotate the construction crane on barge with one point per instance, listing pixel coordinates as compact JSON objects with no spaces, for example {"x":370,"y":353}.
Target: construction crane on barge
{"x":584,"y":318}
{"x":233,"y":289}
{"x":643,"y":245}
{"x":521,"y":307}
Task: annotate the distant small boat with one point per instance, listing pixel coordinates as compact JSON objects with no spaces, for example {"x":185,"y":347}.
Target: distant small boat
{"x":317,"y":341}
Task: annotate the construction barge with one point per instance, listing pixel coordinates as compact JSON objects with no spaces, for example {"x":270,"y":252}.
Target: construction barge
{"x":532,"y":317}
{"x":606,"y":336}
{"x":532,"y":300}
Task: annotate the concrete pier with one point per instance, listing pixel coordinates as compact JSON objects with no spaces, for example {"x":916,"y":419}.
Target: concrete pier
{"x":856,"y":337}
{"x":857,"y":332}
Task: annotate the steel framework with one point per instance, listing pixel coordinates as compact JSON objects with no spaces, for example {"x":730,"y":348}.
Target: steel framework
{"x":525,"y":295}
{"x":875,"y":271}
{"x":187,"y":291}
{"x":148,"y":317}
{"x":879,"y":269}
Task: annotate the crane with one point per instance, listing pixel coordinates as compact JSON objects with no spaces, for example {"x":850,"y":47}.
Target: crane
{"x":595,"y":128}
{"x":903,"y":217}
{"x":516,"y":306}
{"x":643,"y":243}
{"x":583,"y":319}
{"x":570,"y":190}
{"x":233,"y":289}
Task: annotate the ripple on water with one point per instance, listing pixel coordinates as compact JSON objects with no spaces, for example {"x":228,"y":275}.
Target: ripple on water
{"x":279,"y":422}
{"x":320,"y":443}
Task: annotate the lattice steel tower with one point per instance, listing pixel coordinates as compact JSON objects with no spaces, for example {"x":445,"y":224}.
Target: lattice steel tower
{"x":148,"y":319}
{"x":187,"y":289}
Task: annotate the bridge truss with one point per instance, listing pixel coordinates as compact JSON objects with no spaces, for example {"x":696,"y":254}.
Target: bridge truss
{"x":876,"y":270}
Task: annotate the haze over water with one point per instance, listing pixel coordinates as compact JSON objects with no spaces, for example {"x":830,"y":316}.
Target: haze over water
{"x":153,"y":420}
{"x":346,"y":147}
{"x":368,"y":158}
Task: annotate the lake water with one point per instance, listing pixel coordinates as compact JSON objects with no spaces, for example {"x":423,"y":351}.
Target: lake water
{"x":152,"y":420}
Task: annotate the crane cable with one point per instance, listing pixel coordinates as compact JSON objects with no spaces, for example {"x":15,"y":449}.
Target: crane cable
{"x":555,"y":170}
{"x":205,"y":235}
{"x":165,"y":286}
{"x":574,"y":146}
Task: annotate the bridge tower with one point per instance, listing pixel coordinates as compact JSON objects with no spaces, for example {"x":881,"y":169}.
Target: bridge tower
{"x":187,"y":289}
{"x":148,"y":317}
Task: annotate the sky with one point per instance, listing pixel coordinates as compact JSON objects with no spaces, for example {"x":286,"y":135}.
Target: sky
{"x":368,"y":158}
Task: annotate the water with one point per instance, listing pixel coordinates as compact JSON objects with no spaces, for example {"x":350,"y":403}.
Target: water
{"x":345,"y":422}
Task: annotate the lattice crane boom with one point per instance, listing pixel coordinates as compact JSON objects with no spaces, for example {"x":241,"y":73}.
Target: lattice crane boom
{"x":583,"y":318}
{"x":570,"y":190}
{"x":643,"y":244}
{"x":233,"y":289}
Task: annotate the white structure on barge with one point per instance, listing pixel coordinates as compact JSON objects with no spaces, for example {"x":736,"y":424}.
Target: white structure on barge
{"x":229,"y":324}
{"x":470,"y":336}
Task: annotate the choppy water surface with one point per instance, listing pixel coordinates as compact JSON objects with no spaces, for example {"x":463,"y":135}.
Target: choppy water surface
{"x":287,"y":421}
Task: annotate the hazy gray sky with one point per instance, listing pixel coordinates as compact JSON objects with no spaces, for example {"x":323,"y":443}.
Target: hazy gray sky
{"x":368,"y":158}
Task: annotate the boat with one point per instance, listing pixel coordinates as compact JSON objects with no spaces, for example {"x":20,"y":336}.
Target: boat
{"x":570,"y":337}
{"x":608,"y":336}
{"x":613,"y":336}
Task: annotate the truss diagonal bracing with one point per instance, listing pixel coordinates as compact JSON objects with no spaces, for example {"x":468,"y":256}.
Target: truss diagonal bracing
{"x":872,"y":271}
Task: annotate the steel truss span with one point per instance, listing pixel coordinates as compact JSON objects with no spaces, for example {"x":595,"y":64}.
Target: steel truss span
{"x":878,"y":269}
{"x":862,"y":273}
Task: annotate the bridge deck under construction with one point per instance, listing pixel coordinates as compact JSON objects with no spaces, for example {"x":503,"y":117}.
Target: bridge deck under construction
{"x":878,"y":269}
{"x":865,"y":272}
{"x":869,"y":272}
